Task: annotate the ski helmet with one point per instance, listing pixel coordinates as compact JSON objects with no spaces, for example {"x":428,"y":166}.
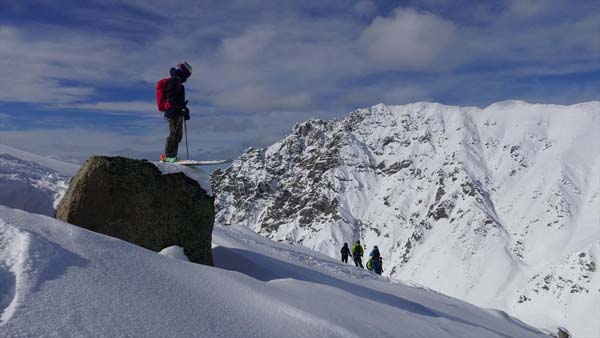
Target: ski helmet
{"x":185,"y":69}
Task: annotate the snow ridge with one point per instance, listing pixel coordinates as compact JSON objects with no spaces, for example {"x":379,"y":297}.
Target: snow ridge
{"x":496,"y":206}
{"x":27,"y":185}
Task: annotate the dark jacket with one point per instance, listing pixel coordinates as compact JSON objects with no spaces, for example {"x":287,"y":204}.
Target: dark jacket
{"x":175,"y":94}
{"x":345,"y":251}
{"x":375,"y":253}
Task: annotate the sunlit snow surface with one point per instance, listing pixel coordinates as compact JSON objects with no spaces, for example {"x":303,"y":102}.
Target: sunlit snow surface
{"x":175,"y":252}
{"x":498,"y":206}
{"x":26,"y":185}
{"x":196,"y":173}
{"x":64,"y":281}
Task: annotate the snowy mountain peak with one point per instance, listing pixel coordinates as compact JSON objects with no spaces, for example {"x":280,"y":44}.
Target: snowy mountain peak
{"x":497,"y":206}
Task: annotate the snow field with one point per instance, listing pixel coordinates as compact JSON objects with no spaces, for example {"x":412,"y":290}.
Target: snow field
{"x":70,"y":282}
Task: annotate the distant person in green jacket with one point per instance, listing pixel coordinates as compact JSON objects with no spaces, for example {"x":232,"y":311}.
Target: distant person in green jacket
{"x":357,"y":253}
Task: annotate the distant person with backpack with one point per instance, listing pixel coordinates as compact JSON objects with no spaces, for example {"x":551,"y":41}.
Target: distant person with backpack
{"x":345,"y":252}
{"x":357,"y":253}
{"x":375,"y":261}
{"x":170,"y":97}
{"x":375,"y":253}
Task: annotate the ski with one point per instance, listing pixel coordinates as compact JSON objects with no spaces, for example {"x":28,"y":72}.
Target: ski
{"x":191,"y":163}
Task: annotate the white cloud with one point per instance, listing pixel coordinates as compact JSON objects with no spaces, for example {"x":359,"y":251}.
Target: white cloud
{"x":74,"y":144}
{"x":250,"y":46}
{"x":408,"y":40}
{"x":115,"y":107}
{"x":365,"y":8}
{"x":257,"y":98}
{"x":529,"y":8}
{"x":391,"y":94}
{"x":43,"y":69}
{"x":273,"y":57}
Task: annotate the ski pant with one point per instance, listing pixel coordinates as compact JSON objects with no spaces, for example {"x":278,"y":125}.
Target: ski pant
{"x":175,"y":135}
{"x":376,"y":266}
{"x":358,"y":261}
{"x":345,"y":258}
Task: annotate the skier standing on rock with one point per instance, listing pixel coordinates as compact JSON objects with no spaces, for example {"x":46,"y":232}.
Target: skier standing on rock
{"x":345,"y":252}
{"x":357,"y":253}
{"x":170,"y":97}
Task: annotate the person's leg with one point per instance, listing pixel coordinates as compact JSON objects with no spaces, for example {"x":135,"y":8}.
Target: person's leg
{"x":168,"y":147}
{"x":175,"y":135}
{"x":178,"y":135}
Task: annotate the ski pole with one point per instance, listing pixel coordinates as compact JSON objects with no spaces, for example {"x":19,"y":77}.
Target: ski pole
{"x":186,"y":142}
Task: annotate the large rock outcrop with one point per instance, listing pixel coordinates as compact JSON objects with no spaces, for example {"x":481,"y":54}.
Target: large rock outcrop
{"x":132,"y":200}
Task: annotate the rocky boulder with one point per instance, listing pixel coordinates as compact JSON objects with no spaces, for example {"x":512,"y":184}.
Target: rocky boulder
{"x":132,"y":200}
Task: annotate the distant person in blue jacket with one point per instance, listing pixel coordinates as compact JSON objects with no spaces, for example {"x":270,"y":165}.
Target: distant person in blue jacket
{"x":375,"y":260}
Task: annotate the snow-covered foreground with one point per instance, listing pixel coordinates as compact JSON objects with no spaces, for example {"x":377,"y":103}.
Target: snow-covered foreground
{"x":59,"y":280}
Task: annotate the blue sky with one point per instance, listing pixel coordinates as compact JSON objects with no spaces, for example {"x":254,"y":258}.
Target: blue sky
{"x":78,"y":77}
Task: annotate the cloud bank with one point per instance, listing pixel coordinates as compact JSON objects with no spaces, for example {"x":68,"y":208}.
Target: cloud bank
{"x":287,"y":60}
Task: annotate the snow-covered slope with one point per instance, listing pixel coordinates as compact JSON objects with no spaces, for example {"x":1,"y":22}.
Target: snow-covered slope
{"x":67,"y":169}
{"x":27,"y":185}
{"x":496,"y":206}
{"x":59,"y":280}
{"x":196,"y":173}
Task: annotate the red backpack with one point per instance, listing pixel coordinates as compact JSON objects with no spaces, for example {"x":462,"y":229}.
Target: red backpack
{"x":161,"y":94}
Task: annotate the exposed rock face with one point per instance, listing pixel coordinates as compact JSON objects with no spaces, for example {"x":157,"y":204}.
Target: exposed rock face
{"x":562,"y":333}
{"x":131,"y":200}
